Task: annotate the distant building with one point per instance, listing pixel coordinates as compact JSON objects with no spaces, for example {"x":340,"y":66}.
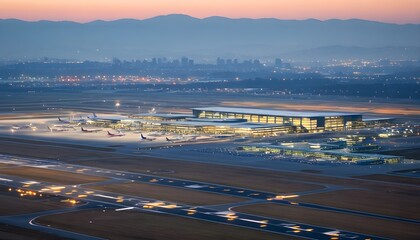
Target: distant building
{"x":220,"y":61}
{"x":184,"y":61}
{"x":278,"y":62}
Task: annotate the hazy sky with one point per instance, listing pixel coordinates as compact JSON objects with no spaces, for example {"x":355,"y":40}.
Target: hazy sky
{"x":395,"y":11}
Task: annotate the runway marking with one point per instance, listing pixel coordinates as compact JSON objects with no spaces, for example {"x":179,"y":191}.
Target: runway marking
{"x":30,"y":182}
{"x":6,"y":180}
{"x":104,"y":196}
{"x":123,"y":209}
{"x":254,"y":221}
{"x":196,"y":186}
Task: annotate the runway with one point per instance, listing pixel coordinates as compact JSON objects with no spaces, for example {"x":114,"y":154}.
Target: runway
{"x":192,"y":185}
{"x":127,"y":202}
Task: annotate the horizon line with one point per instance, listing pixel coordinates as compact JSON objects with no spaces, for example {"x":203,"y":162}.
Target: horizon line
{"x":203,"y":18}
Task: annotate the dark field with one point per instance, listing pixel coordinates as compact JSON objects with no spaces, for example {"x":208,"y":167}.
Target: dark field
{"x":171,"y":194}
{"x":12,"y":205}
{"x":391,"y":178}
{"x":15,"y":233}
{"x":51,"y":176}
{"x":386,"y":203}
{"x":366,"y":225}
{"x":147,"y":226}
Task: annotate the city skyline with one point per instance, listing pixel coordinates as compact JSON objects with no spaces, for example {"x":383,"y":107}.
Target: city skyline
{"x":401,"y":12}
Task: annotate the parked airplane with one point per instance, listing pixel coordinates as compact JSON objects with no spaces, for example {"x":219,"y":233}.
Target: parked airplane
{"x":78,"y":121}
{"x":174,"y":139}
{"x":119,"y":134}
{"x":90,"y":130}
{"x":58,"y":129}
{"x":63,"y":121}
{"x":146,"y":138}
{"x":93,"y":116}
{"x":63,"y":126}
{"x":109,"y":119}
{"x":17,"y":127}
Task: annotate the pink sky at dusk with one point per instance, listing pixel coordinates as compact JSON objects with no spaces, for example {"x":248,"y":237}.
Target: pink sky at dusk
{"x":401,"y":11}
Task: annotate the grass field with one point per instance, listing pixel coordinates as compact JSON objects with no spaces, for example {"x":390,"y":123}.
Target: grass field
{"x":366,"y":225}
{"x":264,"y":180}
{"x":12,"y":205}
{"x":50,"y":150}
{"x":391,"y":178}
{"x":273,"y":181}
{"x":171,"y":194}
{"x":386,"y":203}
{"x":147,"y":226}
{"x":15,"y":233}
{"x":236,"y":176}
{"x":5,"y":165}
{"x":52,"y":176}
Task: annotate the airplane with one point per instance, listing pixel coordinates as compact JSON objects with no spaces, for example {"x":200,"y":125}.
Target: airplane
{"x":146,"y":138}
{"x":63,"y":121}
{"x":14,"y":127}
{"x":174,"y":139}
{"x":93,"y":116}
{"x":63,"y":126}
{"x":17,"y":127}
{"x":109,"y":119}
{"x":119,"y":134}
{"x":79,"y":121}
{"x":90,"y":130}
{"x":58,"y":129}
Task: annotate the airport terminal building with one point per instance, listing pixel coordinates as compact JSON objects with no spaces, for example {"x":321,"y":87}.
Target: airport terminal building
{"x":241,"y":121}
{"x":302,"y":121}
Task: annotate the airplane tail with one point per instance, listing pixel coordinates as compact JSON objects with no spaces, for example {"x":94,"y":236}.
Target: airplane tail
{"x":94,"y":115}
{"x":143,"y":137}
{"x":83,"y":130}
{"x":167,"y":139}
{"x":109,"y":133}
{"x":49,"y":128}
{"x":59,"y":119}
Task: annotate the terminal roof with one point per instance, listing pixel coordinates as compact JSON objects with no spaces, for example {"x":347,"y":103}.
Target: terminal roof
{"x":224,"y":124}
{"x":269,"y":112}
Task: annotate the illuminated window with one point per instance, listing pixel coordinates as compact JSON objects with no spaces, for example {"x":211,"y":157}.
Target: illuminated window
{"x":254,"y":118}
{"x":263,"y":119}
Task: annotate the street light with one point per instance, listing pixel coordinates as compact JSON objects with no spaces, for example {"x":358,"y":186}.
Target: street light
{"x":117,"y":104}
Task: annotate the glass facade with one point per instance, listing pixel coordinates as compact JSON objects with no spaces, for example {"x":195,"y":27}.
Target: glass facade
{"x":334,"y":123}
{"x":304,"y":124}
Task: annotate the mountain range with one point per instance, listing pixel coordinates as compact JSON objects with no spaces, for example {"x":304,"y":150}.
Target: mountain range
{"x":208,"y":38}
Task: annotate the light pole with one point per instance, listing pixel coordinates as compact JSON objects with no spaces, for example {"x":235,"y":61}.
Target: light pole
{"x":117,"y":105}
